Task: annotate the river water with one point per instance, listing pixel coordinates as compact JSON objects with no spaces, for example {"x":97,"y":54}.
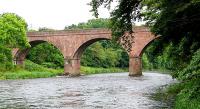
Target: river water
{"x":99,"y":91}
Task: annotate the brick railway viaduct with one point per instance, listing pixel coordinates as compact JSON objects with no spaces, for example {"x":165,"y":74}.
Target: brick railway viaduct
{"x":72,"y":44}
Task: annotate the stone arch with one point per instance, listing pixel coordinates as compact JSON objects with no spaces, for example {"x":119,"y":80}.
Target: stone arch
{"x":21,"y":54}
{"x":141,"y":41}
{"x":72,"y":64}
{"x":146,"y":45}
{"x":78,"y":53}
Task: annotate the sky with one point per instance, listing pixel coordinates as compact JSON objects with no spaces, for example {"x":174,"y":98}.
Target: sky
{"x":54,"y":14}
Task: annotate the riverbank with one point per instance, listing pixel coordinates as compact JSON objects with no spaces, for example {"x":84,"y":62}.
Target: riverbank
{"x":33,"y":70}
{"x":93,"y":70}
{"x":177,"y":96}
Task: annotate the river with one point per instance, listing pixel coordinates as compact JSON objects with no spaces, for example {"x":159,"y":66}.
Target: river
{"x":99,"y":91}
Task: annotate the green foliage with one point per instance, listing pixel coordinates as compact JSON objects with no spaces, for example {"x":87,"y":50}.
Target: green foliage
{"x":12,"y":35}
{"x":31,"y":70}
{"x":183,"y":97}
{"x":145,"y":62}
{"x":5,"y":58}
{"x":177,"y":22}
{"x":47,"y":55}
{"x":174,"y":95}
{"x":173,"y":20}
{"x":104,"y":57}
{"x":23,"y":74}
{"x":44,"y":29}
{"x":93,"y":23}
{"x":187,"y":92}
{"x":183,"y":103}
{"x":191,"y":76}
{"x":31,"y":66}
{"x":123,"y":60}
{"x":192,"y":71}
{"x":49,"y":65}
{"x":13,"y":31}
{"x":93,"y":70}
{"x":172,"y":58}
{"x":122,"y":16}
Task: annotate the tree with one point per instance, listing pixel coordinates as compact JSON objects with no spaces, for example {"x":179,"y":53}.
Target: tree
{"x":122,"y":16}
{"x":47,"y":55}
{"x":177,"y":22}
{"x":45,"y":29}
{"x":93,"y":23}
{"x":171,"y":19}
{"x":12,"y":35}
{"x":13,"y":31}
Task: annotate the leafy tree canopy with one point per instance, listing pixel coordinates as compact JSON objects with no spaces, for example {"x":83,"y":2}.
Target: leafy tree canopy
{"x":172,"y":19}
{"x":45,"y":29}
{"x":12,"y":35}
{"x":93,"y":23}
{"x":177,"y":22}
{"x":13,"y":31}
{"x":122,"y":16}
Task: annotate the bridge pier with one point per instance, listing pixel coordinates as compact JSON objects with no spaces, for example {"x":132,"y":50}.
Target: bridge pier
{"x":72,"y":67}
{"x":135,"y":66}
{"x":19,"y":62}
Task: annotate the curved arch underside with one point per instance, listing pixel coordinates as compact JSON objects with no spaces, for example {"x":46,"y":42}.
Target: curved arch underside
{"x":81,"y":49}
{"x":147,"y":45}
{"x":21,"y":54}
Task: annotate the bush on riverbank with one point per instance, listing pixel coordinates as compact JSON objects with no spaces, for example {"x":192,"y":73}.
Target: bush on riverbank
{"x":187,"y":92}
{"x":189,"y":96}
{"x":178,"y":97}
{"x":31,"y":66}
{"x":184,"y":100}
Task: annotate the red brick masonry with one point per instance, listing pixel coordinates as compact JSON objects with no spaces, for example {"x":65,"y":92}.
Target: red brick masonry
{"x":72,"y":44}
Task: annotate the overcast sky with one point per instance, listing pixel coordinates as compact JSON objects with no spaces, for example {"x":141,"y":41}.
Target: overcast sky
{"x":55,"y":14}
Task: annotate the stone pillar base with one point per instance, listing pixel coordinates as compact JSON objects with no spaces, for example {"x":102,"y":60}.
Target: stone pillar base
{"x":72,"y":67}
{"x":134,"y":75}
{"x":74,"y":74}
{"x":135,"y":66}
{"x":19,"y":63}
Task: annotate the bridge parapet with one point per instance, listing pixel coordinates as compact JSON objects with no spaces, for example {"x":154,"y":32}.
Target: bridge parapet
{"x":80,"y":32}
{"x":69,"y":32}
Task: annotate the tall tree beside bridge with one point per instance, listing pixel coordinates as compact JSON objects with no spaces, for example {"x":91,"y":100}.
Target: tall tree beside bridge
{"x":12,"y":35}
{"x":177,"y":22}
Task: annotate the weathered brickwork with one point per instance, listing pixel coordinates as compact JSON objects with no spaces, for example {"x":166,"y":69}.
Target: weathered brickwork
{"x":72,"y":44}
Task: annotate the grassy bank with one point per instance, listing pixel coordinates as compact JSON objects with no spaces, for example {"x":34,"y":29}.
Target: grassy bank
{"x":24,"y":74}
{"x":177,"y":96}
{"x":162,"y":71}
{"x":92,"y":70}
{"x":33,"y":70}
